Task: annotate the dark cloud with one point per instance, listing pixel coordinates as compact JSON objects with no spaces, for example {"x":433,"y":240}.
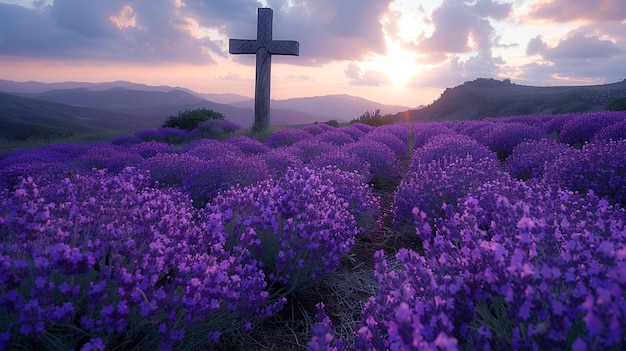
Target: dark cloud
{"x":327,"y":30}
{"x":571,"y":10}
{"x":83,"y":29}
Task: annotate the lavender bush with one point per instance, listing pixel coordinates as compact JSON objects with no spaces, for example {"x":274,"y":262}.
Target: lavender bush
{"x":384,"y":164}
{"x":302,"y":227}
{"x":248,"y":145}
{"x":506,"y":136}
{"x":600,"y":167}
{"x":530,"y":159}
{"x":335,"y":137}
{"x":113,"y":263}
{"x":446,"y":147}
{"x":423,"y":132}
{"x":581,"y":128}
{"x":222,"y":173}
{"x":318,"y":128}
{"x":433,"y":186}
{"x":286,"y":137}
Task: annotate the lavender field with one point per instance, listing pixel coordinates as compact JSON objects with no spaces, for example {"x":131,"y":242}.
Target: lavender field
{"x":498,"y":234}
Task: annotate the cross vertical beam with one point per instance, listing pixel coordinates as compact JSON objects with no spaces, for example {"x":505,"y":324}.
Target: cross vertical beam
{"x":264,"y":47}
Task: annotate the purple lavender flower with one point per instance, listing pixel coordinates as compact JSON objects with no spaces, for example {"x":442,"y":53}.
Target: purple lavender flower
{"x":151,"y":148}
{"x":318,"y":128}
{"x":335,"y":136}
{"x":506,"y":136}
{"x":383,"y":162}
{"x":247,"y":145}
{"x":423,"y":132}
{"x":582,"y":127}
{"x":530,"y":159}
{"x":126,"y":140}
{"x":446,"y":147}
{"x":302,"y":228}
{"x":286,"y":137}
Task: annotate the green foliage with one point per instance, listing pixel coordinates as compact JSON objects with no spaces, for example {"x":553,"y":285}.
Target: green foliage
{"x":189,"y":119}
{"x":333,"y":123}
{"x":617,"y":105}
{"x":374,"y":118}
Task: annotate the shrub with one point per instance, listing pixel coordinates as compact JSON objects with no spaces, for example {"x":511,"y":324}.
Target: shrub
{"x":126,"y":140}
{"x":615,"y":131}
{"x":302,"y":228}
{"x":190,"y":119}
{"x":530,"y":159}
{"x":318,"y":128}
{"x":335,"y":137}
{"x":208,"y":149}
{"x":151,"y":148}
{"x":221,"y":173}
{"x":383,"y":162}
{"x":446,"y":147}
{"x":423,"y":132}
{"x":248,"y":146}
{"x":286,"y":137}
{"x":582,"y":127}
{"x":344,"y":161}
{"x":137,"y":274}
{"x":434,"y":186}
{"x":107,"y":156}
{"x":215,"y":129}
{"x":617,"y":105}
{"x":600,"y":167}
{"x":505,"y":137}
{"x":399,"y":147}
{"x":280,"y":160}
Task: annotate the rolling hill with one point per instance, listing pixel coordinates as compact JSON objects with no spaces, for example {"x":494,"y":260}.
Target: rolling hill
{"x":482,"y":98}
{"x":24,"y":118}
{"x":341,"y":107}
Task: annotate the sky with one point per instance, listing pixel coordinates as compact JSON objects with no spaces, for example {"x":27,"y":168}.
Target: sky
{"x":391,"y":51}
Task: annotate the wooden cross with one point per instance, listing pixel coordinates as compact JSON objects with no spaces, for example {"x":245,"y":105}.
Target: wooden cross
{"x":264,"y":47}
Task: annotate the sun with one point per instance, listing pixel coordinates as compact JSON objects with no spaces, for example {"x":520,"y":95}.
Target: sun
{"x":399,"y":65}
{"x":401,"y":26}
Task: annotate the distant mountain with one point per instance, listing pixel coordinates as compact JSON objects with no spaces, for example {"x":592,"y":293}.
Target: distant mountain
{"x":160,"y":102}
{"x":23,"y":118}
{"x":159,"y":105}
{"x":117,"y":99}
{"x":341,"y":107}
{"x":9,"y":86}
{"x":225,"y":98}
{"x":482,"y":98}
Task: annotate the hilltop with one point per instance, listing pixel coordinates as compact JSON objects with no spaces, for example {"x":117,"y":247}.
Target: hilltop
{"x":483,"y":98}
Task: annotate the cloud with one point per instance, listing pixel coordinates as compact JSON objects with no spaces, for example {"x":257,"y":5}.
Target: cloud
{"x":571,"y":10}
{"x":577,"y":46}
{"x":591,"y":54}
{"x":459,"y":26}
{"x":456,"y":71}
{"x":359,"y":76}
{"x":86,"y":29}
{"x":170,"y":30}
